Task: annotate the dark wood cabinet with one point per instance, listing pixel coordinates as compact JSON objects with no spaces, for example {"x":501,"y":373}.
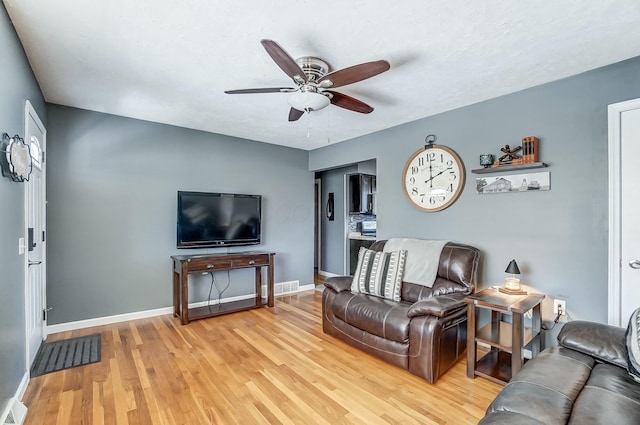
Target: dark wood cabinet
{"x":183,"y":265}
{"x":362,"y":187}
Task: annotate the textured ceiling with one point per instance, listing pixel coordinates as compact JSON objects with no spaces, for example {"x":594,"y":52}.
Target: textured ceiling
{"x":169,"y":61}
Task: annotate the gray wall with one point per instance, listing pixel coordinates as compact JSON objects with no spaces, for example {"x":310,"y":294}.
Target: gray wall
{"x":112,"y":185}
{"x":16,"y":86}
{"x":559,"y":238}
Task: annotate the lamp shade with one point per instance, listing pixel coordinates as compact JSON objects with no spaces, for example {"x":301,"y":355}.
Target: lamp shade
{"x":308,"y":101}
{"x":512,"y":268}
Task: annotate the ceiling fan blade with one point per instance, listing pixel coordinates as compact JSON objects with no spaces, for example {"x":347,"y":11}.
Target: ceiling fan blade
{"x":263,"y":90}
{"x":353,"y":74}
{"x":348,"y":102}
{"x":283,"y":60}
{"x":294,"y":114}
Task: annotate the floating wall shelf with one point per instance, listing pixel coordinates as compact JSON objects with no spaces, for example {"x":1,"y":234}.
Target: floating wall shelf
{"x":502,"y":168}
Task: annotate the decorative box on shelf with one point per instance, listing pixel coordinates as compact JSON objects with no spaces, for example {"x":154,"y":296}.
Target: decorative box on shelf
{"x":530,"y":151}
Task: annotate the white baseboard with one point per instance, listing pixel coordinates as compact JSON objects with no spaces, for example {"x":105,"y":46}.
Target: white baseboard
{"x":328,"y":274}
{"x":23,"y":385}
{"x":280,"y":288}
{"x":107,"y":320}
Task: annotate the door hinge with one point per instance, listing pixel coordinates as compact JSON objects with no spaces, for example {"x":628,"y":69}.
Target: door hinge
{"x":43,"y":239}
{"x":43,"y":156}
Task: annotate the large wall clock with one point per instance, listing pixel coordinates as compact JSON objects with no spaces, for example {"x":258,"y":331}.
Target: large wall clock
{"x":433,"y":178}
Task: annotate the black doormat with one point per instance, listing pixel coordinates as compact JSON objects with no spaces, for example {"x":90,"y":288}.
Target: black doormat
{"x":65,"y":354}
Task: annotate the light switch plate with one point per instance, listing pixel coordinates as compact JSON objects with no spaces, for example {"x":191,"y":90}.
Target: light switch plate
{"x":21,"y":246}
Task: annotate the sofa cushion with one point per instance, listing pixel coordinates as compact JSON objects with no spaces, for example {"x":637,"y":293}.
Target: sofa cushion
{"x":605,"y":343}
{"x":546,"y":387}
{"x":377,"y":316}
{"x":633,"y":345}
{"x":379,"y":273}
{"x":609,"y":397}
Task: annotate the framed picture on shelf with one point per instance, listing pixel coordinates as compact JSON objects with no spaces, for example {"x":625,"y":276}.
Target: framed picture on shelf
{"x":514,"y":183}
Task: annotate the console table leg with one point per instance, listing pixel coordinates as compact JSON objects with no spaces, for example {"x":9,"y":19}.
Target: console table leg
{"x":259,"y":286}
{"x":184,"y":283}
{"x":270,"y":281}
{"x":176,"y":294}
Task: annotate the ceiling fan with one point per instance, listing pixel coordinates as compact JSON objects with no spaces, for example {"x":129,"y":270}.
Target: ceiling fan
{"x":313,"y":80}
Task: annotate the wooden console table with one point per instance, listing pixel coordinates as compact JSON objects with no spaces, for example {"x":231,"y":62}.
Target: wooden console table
{"x":185,"y":264}
{"x":507,"y":340}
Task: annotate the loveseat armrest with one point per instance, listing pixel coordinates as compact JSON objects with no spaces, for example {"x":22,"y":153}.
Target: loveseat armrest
{"x":439,"y":306}
{"x":603,"y":342}
{"x":339,"y":283}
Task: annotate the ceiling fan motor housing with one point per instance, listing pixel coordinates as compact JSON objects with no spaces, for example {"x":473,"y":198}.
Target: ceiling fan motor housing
{"x":313,"y":67}
{"x":309,"y":98}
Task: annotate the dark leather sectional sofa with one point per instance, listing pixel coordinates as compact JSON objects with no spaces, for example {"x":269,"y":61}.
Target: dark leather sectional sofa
{"x":425,"y":333}
{"x":582,"y":381}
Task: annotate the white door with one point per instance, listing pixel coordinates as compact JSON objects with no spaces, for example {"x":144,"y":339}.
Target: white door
{"x":35,"y":292}
{"x":624,"y":211}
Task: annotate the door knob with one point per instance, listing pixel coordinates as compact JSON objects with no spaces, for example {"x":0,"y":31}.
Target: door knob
{"x":35,"y":263}
{"x":634,"y":264}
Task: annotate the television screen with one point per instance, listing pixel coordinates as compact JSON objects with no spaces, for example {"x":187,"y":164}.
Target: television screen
{"x":217,"y":219}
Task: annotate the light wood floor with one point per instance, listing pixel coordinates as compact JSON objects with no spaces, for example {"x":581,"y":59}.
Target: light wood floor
{"x":266,"y":366}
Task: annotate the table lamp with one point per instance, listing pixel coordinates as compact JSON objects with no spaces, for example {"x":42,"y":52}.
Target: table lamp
{"x":512,"y":284}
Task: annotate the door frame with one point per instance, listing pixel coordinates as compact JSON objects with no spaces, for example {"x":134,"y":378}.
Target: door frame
{"x":615,"y":186}
{"x":318,"y":227}
{"x":345,"y":222}
{"x":29,"y":110}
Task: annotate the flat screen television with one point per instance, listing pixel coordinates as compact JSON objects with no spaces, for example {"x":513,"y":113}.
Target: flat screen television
{"x":208,"y":220}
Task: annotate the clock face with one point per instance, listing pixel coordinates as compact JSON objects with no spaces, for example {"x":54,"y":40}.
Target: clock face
{"x":433,"y":178}
{"x":18,"y":159}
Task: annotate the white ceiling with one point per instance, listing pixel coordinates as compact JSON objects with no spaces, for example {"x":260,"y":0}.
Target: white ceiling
{"x":169,"y":61}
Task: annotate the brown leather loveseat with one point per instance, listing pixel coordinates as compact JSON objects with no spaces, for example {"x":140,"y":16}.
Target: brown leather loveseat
{"x":425,"y":332}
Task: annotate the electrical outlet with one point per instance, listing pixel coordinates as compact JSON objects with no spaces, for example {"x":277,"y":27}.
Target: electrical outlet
{"x":560,"y":303}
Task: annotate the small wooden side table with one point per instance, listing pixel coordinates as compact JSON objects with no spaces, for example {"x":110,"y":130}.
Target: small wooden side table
{"x":507,"y":340}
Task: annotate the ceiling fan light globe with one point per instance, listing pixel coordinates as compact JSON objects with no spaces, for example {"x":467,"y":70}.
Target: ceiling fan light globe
{"x":308,"y":101}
